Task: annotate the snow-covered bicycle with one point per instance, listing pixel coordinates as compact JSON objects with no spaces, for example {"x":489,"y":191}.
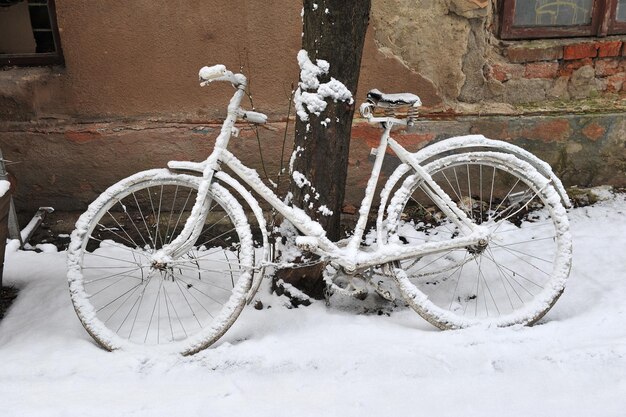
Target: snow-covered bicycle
{"x":472,"y":230}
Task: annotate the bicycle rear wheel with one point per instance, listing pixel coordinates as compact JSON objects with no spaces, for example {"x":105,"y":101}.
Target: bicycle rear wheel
{"x":125,"y":300}
{"x":519,"y":275}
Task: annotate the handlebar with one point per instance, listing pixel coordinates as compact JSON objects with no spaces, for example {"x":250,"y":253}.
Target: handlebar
{"x":208,"y":74}
{"x":254,"y":117}
{"x":220,"y":73}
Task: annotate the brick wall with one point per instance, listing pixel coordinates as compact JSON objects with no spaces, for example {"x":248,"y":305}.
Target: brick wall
{"x":576,"y":69}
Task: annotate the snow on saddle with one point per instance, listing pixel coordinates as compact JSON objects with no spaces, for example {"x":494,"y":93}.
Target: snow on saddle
{"x":384,"y":100}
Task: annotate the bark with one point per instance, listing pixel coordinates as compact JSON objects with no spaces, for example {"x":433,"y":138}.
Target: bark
{"x":334,"y":30}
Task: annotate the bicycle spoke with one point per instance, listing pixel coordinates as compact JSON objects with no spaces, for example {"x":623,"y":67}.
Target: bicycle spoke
{"x":486,"y":283}
{"x":190,"y":286}
{"x":118,"y":297}
{"x":469,"y":192}
{"x":120,"y":306}
{"x":143,"y":219}
{"x":180,"y":215}
{"x":435,"y":260}
{"x":527,"y":241}
{"x":156,"y":299}
{"x":169,"y":316}
{"x":124,"y":208}
{"x":508,"y":279}
{"x":483,"y":283}
{"x":517,"y":273}
{"x":113,"y":275}
{"x":458,"y":281}
{"x":109,"y":230}
{"x":507,"y":195}
{"x":169,"y":220}
{"x":110,"y":285}
{"x":193,"y":313}
{"x":182,"y":326}
{"x":115,"y":259}
{"x":514,"y":251}
{"x":116,"y":246}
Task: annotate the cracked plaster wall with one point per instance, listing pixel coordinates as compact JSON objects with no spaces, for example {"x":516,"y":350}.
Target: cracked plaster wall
{"x":453,"y":44}
{"x":445,"y":41}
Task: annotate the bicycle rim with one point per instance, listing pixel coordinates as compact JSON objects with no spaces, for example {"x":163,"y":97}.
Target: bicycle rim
{"x":517,"y":277}
{"x":126,"y":300}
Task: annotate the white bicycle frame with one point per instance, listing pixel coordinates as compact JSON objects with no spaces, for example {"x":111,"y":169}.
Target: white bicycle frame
{"x":350,"y":257}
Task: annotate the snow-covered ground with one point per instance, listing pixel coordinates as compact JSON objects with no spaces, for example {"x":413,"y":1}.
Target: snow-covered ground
{"x":317,"y":361}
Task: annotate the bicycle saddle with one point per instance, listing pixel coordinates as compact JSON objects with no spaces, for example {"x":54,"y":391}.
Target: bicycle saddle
{"x":380,"y":99}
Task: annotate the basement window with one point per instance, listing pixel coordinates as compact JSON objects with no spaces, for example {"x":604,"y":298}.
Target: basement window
{"x":532,"y":19}
{"x":29,"y":33}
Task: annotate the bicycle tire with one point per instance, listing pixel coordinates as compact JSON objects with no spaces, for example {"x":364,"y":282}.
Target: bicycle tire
{"x":126,"y":301}
{"x":522,"y":272}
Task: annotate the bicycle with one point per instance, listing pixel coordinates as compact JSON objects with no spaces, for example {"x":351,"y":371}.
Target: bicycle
{"x":472,"y":231}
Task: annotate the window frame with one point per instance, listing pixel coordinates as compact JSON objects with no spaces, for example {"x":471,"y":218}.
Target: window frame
{"x":615,"y":27}
{"x":603,"y":23}
{"x":42,"y":58}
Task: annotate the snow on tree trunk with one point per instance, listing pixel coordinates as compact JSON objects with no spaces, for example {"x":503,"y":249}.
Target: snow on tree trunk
{"x":332,"y":43}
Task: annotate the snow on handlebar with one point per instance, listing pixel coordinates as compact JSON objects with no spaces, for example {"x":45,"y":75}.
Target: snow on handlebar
{"x":220,"y":73}
{"x":255,"y":117}
{"x":208,"y":74}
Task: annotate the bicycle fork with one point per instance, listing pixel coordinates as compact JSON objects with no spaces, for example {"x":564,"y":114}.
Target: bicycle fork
{"x":200,"y":210}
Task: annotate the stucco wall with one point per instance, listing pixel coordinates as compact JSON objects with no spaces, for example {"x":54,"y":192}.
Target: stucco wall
{"x":141,"y":58}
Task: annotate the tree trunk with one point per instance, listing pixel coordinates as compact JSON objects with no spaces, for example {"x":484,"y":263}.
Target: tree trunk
{"x":334,"y":30}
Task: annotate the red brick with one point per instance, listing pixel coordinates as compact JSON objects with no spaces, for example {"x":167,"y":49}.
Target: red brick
{"x":498,"y":73}
{"x":503,"y":72}
{"x":605,"y":67}
{"x":569,"y":67}
{"x":624,"y":49}
{"x":616,"y":82}
{"x":555,"y":130}
{"x":522,"y":54}
{"x":542,"y":70}
{"x":609,"y":49}
{"x":593,"y":131}
{"x":81,"y":137}
{"x":580,"y":51}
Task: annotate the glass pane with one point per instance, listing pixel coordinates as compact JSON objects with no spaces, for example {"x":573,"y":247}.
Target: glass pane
{"x":553,"y":12}
{"x":39,"y":17}
{"x":44,"y":41}
{"x":16,"y":35}
{"x":621,"y":10}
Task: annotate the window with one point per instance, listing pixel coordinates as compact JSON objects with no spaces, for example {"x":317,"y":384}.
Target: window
{"x":28,"y":33}
{"x":527,"y":19}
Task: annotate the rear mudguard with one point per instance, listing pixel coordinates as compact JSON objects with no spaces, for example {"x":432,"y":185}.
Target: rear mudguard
{"x":462,"y":144}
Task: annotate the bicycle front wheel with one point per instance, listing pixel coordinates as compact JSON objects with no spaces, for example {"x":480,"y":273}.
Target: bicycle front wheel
{"x":125,"y":299}
{"x":517,"y":277}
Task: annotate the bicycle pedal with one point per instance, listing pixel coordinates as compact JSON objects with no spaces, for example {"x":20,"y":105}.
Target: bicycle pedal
{"x":383,"y":292}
